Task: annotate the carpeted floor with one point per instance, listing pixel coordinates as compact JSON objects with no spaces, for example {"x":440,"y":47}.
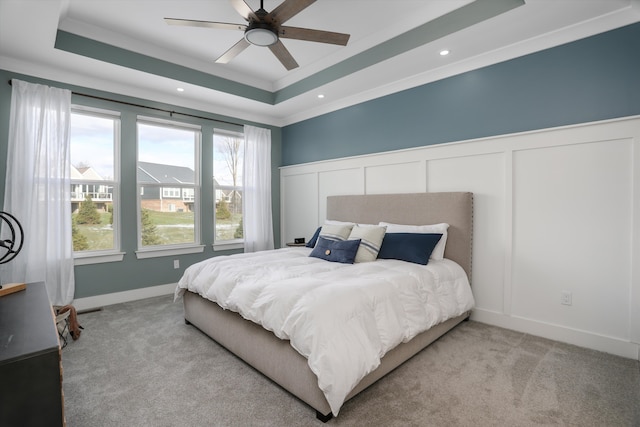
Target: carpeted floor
{"x":138,"y":364}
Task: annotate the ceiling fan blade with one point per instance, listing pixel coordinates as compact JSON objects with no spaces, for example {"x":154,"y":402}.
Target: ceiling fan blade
{"x":314,"y":35}
{"x":205,"y":24}
{"x":243,"y":9}
{"x":283,"y":55}
{"x":288,"y":9}
{"x":233,"y":51}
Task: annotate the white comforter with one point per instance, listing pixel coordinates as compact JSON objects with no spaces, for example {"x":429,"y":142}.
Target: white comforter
{"x":342,"y":317}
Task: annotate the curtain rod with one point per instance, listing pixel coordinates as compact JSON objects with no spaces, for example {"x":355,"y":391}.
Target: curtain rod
{"x":171,"y":112}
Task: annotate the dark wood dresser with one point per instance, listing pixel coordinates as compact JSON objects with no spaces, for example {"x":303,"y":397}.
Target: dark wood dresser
{"x":30,"y":360}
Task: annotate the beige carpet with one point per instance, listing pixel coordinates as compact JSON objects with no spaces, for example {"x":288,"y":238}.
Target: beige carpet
{"x":138,"y":364}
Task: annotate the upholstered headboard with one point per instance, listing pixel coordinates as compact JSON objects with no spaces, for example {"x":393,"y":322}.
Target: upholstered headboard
{"x":454,"y":208}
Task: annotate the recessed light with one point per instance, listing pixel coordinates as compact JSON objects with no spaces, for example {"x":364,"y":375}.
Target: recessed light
{"x":180,"y":89}
{"x":320,"y":96}
{"x":444,"y":52}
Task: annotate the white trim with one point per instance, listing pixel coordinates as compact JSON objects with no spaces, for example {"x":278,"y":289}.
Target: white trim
{"x":159,"y":252}
{"x":228,"y":246}
{"x":176,"y":124}
{"x":97,"y":258}
{"x":508,"y":231}
{"x":581,"y":338}
{"x":634,"y":291}
{"x":97,"y":112}
{"x":97,"y":301}
{"x":226,"y":132}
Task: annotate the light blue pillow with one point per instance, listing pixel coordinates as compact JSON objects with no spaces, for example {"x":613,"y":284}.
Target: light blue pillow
{"x":336,"y":250}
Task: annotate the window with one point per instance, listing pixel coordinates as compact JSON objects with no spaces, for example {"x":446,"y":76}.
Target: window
{"x":94,"y":143}
{"x":169,"y":193}
{"x":228,"y":156}
{"x":168,"y":184}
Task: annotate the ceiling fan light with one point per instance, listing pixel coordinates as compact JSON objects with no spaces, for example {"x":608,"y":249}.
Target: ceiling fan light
{"x":260,"y":35}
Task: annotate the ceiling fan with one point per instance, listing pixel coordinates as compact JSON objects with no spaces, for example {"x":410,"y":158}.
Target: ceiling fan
{"x":266,"y":29}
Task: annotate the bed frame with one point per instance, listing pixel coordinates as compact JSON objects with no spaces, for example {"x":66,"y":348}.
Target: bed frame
{"x":276,"y":359}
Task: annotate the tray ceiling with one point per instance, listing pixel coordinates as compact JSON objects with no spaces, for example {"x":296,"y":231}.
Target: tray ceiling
{"x":125,"y":47}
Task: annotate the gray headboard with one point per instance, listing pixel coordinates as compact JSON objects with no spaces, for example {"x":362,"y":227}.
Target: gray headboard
{"x":454,"y":208}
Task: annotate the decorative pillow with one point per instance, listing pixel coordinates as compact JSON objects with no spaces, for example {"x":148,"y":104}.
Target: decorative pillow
{"x":335,"y":222}
{"x":410,"y":247}
{"x":312,"y":242}
{"x":336,"y":251}
{"x":335,"y":232}
{"x":438,"y":252}
{"x":370,"y":241}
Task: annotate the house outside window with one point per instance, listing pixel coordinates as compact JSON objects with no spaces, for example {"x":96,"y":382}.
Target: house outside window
{"x":94,"y":147}
{"x":168,"y":184}
{"x":228,"y":158}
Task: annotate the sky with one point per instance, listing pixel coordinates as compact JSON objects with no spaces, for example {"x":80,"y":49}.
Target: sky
{"x":166,"y":145}
{"x":92,"y":144}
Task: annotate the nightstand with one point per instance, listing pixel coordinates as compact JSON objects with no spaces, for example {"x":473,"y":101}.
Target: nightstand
{"x":30,"y":368}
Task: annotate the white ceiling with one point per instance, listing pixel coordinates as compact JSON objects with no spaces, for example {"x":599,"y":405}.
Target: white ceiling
{"x":28,"y":34}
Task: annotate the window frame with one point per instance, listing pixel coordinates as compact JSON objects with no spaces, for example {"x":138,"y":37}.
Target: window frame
{"x":143,"y":252}
{"x":115,"y":254}
{"x":231,"y":243}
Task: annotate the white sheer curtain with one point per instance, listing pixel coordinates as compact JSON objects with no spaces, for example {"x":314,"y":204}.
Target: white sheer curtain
{"x":256,"y":198}
{"x":37,"y":189}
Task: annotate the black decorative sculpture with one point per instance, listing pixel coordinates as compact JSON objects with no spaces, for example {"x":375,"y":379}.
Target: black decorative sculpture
{"x":9,"y":248}
{"x":13,"y":245}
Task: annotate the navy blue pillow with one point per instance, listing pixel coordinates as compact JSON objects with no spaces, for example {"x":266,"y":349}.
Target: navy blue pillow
{"x":312,"y":242}
{"x":343,"y":251}
{"x":410,"y":247}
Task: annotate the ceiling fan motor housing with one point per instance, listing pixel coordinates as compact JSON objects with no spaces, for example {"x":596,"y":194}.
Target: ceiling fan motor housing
{"x":261,"y":34}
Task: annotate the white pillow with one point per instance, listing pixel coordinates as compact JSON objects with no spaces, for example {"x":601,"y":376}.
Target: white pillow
{"x":335,"y":232}
{"x":438,"y":251}
{"x":370,"y":241}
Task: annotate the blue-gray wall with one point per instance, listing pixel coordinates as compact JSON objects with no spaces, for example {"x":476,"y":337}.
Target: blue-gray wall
{"x":131,"y":273}
{"x":592,"y":79}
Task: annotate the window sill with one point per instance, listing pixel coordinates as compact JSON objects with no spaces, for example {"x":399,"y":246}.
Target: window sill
{"x":228,"y":246}
{"x":86,"y":259}
{"x":160,"y":252}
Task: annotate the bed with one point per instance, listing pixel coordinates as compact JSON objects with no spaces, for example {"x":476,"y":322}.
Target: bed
{"x":276,"y":357}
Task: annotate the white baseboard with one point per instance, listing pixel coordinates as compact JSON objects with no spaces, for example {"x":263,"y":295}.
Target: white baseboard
{"x":577,"y":337}
{"x":89,"y":303}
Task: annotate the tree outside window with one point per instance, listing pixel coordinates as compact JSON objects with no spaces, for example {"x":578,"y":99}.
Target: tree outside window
{"x":94,"y":137}
{"x":168,"y":183}
{"x":228,"y":157}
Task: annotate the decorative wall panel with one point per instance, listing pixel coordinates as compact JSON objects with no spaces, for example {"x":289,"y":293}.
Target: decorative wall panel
{"x":555,"y":211}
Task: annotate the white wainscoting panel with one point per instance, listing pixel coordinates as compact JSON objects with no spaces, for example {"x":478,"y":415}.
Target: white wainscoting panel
{"x":396,"y":178}
{"x":337,"y":183}
{"x":484,"y":175}
{"x":554,"y":210}
{"x":571,"y":232}
{"x":299,"y":205}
